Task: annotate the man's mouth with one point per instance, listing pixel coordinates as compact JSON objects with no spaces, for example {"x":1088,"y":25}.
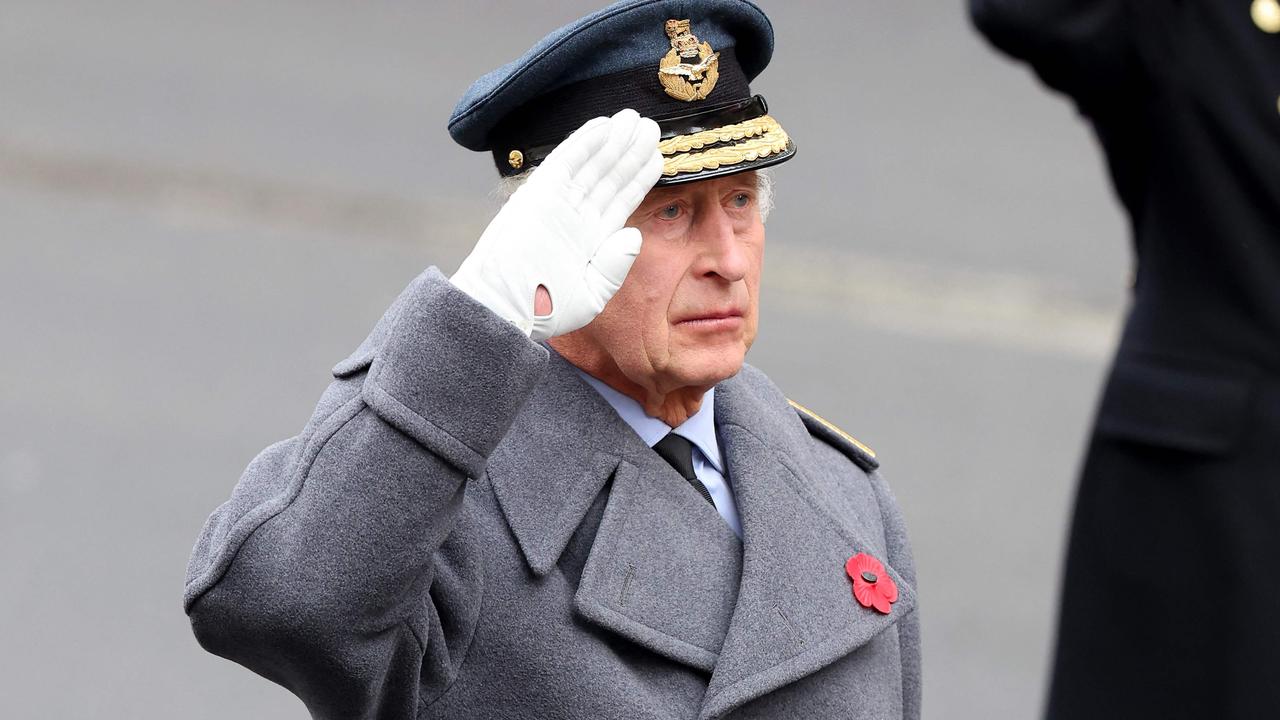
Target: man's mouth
{"x":728,"y":318}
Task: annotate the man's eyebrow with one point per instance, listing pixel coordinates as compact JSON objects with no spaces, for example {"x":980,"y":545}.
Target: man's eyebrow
{"x":658,"y":196}
{"x":746,"y":181}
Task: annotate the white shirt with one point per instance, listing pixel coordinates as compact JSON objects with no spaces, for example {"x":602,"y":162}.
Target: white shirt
{"x":700,"y":429}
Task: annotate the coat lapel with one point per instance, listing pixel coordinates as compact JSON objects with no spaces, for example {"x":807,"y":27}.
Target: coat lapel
{"x":795,"y":612}
{"x":663,"y":568}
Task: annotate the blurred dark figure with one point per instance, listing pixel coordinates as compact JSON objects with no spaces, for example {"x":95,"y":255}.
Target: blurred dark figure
{"x":1171,"y":598}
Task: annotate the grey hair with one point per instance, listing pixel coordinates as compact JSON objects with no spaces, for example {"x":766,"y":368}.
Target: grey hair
{"x":508,"y":186}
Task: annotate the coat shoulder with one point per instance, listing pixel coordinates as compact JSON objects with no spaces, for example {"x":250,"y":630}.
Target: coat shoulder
{"x":818,"y":427}
{"x":826,"y":431}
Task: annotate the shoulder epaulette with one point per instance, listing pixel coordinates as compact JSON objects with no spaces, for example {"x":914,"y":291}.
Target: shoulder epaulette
{"x":819,"y":426}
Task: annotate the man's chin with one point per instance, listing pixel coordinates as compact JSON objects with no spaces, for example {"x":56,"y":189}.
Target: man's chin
{"x":708,"y":366}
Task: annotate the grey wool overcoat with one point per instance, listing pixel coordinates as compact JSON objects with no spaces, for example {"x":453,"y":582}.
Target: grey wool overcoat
{"x":466,"y":529}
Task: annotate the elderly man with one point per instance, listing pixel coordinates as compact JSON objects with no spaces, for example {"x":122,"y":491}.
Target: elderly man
{"x":549,"y":487}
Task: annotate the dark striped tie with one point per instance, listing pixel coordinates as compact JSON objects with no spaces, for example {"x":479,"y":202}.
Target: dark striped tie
{"x":678,"y":451}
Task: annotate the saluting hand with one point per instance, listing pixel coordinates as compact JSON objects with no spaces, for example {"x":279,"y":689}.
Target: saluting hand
{"x":563,"y":229}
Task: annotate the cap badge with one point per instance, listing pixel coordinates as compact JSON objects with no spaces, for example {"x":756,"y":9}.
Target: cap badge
{"x":690,"y":70}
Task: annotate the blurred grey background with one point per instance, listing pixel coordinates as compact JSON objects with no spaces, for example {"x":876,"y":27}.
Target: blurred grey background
{"x":204,"y":205}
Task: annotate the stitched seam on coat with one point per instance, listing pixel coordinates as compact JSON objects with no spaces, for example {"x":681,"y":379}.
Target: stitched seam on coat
{"x":605,"y":609}
{"x":422,"y":643}
{"x":877,"y":485}
{"x":382,"y":393}
{"x":902,"y":679}
{"x":268,"y":510}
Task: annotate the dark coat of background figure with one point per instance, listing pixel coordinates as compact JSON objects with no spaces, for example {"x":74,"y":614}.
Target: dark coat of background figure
{"x":1171,"y":591}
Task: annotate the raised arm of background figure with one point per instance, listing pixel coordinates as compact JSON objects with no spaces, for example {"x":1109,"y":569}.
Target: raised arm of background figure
{"x":329,"y":570}
{"x":1080,"y":47}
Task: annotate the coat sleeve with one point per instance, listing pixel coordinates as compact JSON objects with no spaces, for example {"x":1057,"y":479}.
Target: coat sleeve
{"x":1079,"y":47}
{"x":316,"y":573}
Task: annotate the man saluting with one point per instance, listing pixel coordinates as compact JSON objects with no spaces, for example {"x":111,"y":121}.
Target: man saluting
{"x":549,"y":487}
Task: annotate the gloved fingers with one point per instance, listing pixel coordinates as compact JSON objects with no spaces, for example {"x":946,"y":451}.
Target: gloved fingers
{"x":593,"y":122}
{"x":567,"y":159}
{"x":633,"y":193}
{"x":578,"y":149}
{"x":643,"y":144}
{"x":621,"y":131}
{"x":611,"y":263}
{"x":643,"y":140}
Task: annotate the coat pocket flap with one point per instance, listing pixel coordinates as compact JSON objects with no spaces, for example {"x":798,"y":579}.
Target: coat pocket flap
{"x":1176,"y":406}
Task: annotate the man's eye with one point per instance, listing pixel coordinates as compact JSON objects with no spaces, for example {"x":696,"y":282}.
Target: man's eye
{"x":741,"y":200}
{"x":670,"y":212}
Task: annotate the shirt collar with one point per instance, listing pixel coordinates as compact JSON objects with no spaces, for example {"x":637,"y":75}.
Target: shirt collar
{"x":699,"y":429}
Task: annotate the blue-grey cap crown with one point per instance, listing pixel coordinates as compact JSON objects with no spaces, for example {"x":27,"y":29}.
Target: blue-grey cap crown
{"x":617,"y":38}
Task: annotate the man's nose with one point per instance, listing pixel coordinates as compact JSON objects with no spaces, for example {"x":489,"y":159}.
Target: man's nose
{"x":720,"y":253}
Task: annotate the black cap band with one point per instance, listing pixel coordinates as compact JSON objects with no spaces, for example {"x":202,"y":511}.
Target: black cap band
{"x":683,"y":122}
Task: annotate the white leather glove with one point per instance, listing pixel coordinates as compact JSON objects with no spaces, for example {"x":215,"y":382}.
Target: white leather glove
{"x":563,"y":229}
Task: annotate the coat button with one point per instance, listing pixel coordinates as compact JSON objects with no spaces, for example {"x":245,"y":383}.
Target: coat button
{"x":1266,"y":15}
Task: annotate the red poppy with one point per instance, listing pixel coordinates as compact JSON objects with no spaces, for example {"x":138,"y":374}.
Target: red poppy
{"x":872,"y":586}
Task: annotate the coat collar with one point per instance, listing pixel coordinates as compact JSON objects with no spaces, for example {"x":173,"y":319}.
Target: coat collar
{"x":558,"y":455}
{"x":700,"y":428}
{"x":664,"y":569}
{"x":795,"y":612}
